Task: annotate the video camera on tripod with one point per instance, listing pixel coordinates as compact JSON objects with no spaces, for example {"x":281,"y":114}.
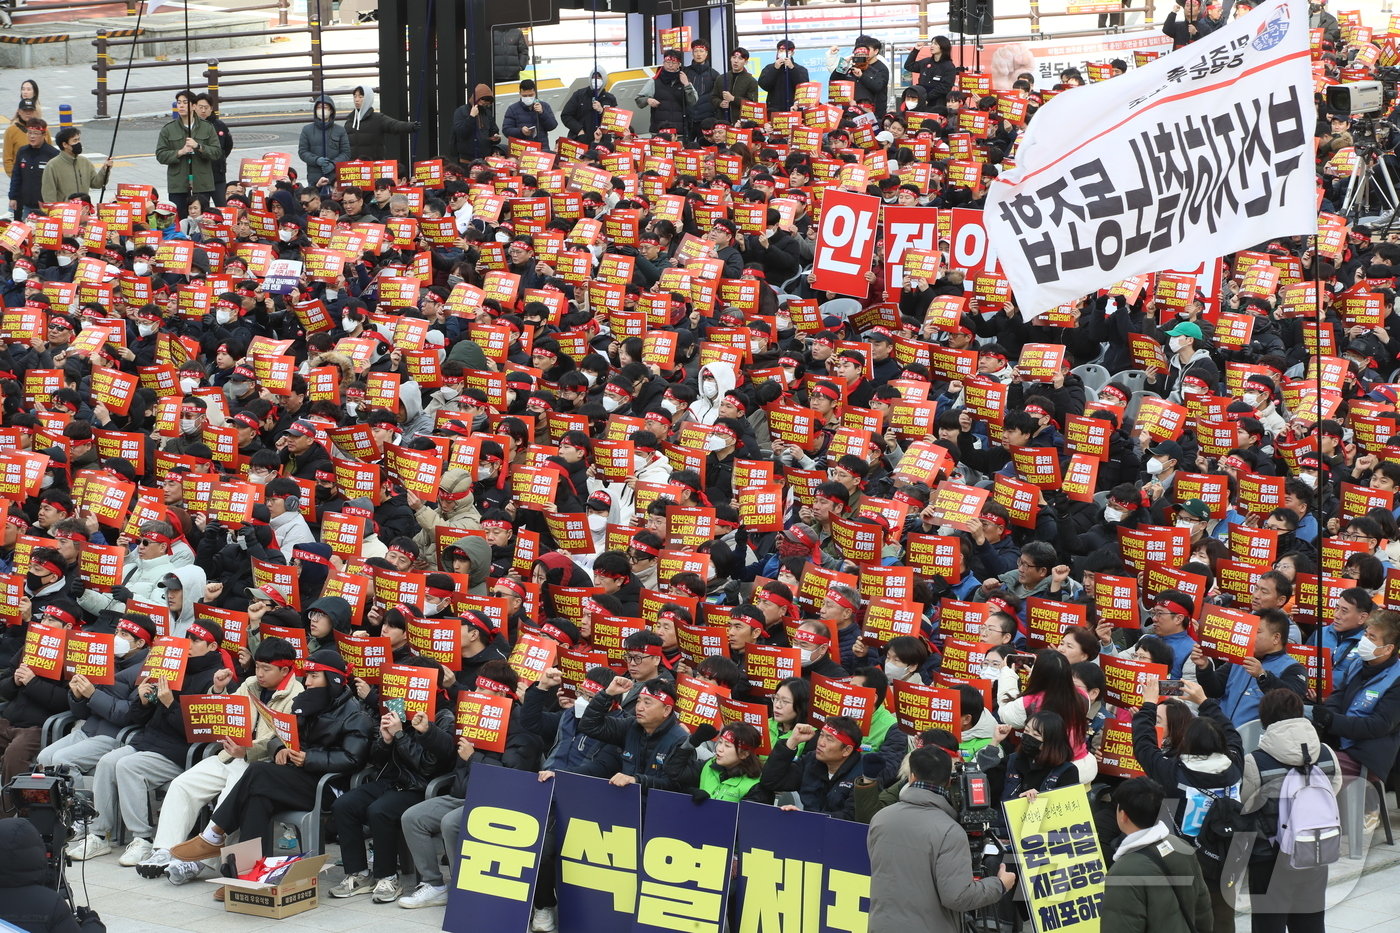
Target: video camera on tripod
{"x":48,"y":799}
{"x":970,"y":792}
{"x":1373,"y":137}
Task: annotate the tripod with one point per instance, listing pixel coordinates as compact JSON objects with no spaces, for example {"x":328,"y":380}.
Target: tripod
{"x":1372,"y":179}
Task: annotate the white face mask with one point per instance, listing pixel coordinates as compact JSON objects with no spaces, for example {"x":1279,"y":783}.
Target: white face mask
{"x":1309,"y":478}
{"x":65,"y":259}
{"x":580,"y":707}
{"x":1366,"y":649}
{"x":756,"y":346}
{"x":894,"y":670}
{"x":145,"y":330}
{"x":19,"y":275}
{"x":225,"y":317}
{"x":502,"y":236}
{"x":188,"y":385}
{"x":1176,"y":343}
{"x":1114,"y":515}
{"x":1155,"y":467}
{"x":669,"y":406}
{"x":716,"y":443}
{"x":597,"y":84}
{"x":591,"y":376}
{"x":988,"y":672}
{"x":709,"y":388}
{"x":1251,"y":399}
{"x":528,"y":101}
{"x":286,"y":236}
{"x":332,"y":294}
{"x":597,"y":522}
{"x":261,"y":479}
{"x":610,"y":404}
{"x":141,"y":268}
{"x":433,"y":608}
{"x":122,"y":646}
{"x":47,"y":481}
{"x":482,"y":474}
{"x":808,"y":655}
{"x":187,"y":425}
{"x":1184,"y":523}
{"x":448,"y":393}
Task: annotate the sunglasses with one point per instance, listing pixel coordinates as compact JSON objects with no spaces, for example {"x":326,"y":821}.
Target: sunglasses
{"x":148,"y":541}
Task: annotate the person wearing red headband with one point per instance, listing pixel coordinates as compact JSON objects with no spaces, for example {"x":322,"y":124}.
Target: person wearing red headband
{"x":1171,"y":615}
{"x":840,"y":609}
{"x":732,"y":774}
{"x":273,"y":685}
{"x":513,"y":592}
{"x":612,"y":571}
{"x":646,"y":737}
{"x":33,"y":698}
{"x":644,"y":552}
{"x":480,"y":645}
{"x":157,"y":754}
{"x":335,"y":732}
{"x":456,"y":508}
{"x":813,"y":637}
{"x":824,"y":777}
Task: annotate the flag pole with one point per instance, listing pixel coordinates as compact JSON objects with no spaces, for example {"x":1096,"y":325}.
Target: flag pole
{"x":121,"y":104}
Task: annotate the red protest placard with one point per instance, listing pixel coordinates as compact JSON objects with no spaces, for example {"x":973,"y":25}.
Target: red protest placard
{"x":233,"y":623}
{"x":766,"y":666}
{"x":1116,"y":750}
{"x":1227,"y":634}
{"x":934,"y":555}
{"x":1125,"y":678}
{"x":919,"y":708}
{"x":209,"y":717}
{"x":841,"y":698}
{"x":532,"y":656}
{"x":845,"y":242}
{"x":1047,"y":620}
{"x":166,"y":660}
{"x":755,"y":714}
{"x":698,"y":702}
{"x":416,"y":686}
{"x":957,"y":505}
{"x":484,"y":719}
{"x":437,"y":640}
{"x":761,"y":507}
{"x":365,"y":654}
{"x":1253,"y":545}
{"x":91,"y":655}
{"x":1116,"y":600}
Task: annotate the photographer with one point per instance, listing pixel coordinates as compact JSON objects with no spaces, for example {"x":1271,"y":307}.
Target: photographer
{"x":921,"y":875}
{"x":29,"y":901}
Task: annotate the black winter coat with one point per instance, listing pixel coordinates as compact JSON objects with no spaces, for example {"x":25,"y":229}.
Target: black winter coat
{"x":163,"y":727}
{"x":33,"y":703}
{"x":936,"y":77}
{"x":410,"y":761}
{"x":833,"y":794}
{"x":335,"y":740}
{"x":27,"y":896}
{"x":643,"y":753}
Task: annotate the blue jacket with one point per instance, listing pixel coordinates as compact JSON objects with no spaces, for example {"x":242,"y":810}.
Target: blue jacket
{"x":570,"y":750}
{"x":1366,"y":713}
{"x":1239,"y":693}
{"x":643,"y":753}
{"x":518,"y":116}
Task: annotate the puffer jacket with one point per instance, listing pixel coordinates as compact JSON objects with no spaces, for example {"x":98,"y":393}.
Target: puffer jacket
{"x":281,"y":700}
{"x":410,"y":760}
{"x":28,"y":900}
{"x":163,"y":727}
{"x":643,"y":753}
{"x":322,"y":144}
{"x":142,"y":577}
{"x":478,"y":551}
{"x":1191,"y":782}
{"x":821,"y":792}
{"x":335,"y":740}
{"x":510,"y":54}
{"x":569,"y":749}
{"x":578,"y":115}
{"x":108,"y":710}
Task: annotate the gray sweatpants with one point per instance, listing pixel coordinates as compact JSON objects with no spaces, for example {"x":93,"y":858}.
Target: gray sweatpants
{"x":79,"y":752}
{"x":432,"y":829}
{"x":122,"y":785}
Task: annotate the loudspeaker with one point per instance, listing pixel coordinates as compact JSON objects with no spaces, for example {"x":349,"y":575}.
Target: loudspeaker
{"x":970,"y":17}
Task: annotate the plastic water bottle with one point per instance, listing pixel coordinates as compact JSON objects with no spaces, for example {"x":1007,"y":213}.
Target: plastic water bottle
{"x":287,"y":842}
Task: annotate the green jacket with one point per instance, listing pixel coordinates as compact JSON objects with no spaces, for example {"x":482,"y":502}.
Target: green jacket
{"x":733,"y":789}
{"x":200,"y":162}
{"x":67,"y":175}
{"x":1139,"y":898}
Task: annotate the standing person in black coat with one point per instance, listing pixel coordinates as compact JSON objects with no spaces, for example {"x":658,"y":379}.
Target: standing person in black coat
{"x":474,"y":130}
{"x":29,"y":901}
{"x":369,"y":129}
{"x":671,"y":96}
{"x":510,"y":55}
{"x":871,"y":76}
{"x":703,"y":76}
{"x":204,"y":109}
{"x":1186,"y":23}
{"x":27,"y":174}
{"x":583,"y":113}
{"x":335,"y":737}
{"x":933,"y":64}
{"x":781,"y":78}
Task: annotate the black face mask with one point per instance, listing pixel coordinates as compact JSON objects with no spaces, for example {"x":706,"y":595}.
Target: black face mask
{"x":313,"y":700}
{"x":76,"y":149}
{"x":34,"y":582}
{"x":1030,"y":747}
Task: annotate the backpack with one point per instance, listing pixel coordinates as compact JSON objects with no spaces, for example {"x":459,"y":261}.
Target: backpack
{"x":1309,"y":823}
{"x":1224,"y":821}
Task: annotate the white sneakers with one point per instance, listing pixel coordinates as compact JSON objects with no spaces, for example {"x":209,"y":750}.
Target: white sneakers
{"x":544,"y":920}
{"x":136,"y":852}
{"x":426,"y":895}
{"x":361,"y":882}
{"x":387,"y":890}
{"x":182,"y":872}
{"x":89,"y":846}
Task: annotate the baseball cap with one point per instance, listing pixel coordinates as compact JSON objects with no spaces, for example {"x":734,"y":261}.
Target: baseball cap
{"x":1187,"y":329}
{"x":1168,"y":449}
{"x":1195,"y":508}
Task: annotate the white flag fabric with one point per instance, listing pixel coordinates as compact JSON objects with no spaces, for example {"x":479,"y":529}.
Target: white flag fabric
{"x":1199,"y":153}
{"x":153,"y":5}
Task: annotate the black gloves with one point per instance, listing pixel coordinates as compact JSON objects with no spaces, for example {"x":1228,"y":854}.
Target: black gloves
{"x":872,"y":766}
{"x":703,"y":734}
{"x":1322,"y":717}
{"x":121,"y":594}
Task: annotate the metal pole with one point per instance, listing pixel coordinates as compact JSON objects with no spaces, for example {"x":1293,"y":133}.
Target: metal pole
{"x":283,"y":6}
{"x":131,"y":7}
{"x":318,"y":78}
{"x":211,"y":77}
{"x":923,"y":19}
{"x":103,"y":61}
{"x":1035,"y":17}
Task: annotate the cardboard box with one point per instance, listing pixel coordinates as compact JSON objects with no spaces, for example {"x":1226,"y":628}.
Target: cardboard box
{"x":297,"y":892}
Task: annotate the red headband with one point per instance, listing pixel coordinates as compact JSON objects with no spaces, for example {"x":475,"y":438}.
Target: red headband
{"x":202,"y":633}
{"x":157,"y":537}
{"x":63,"y":615}
{"x":440,"y":593}
{"x":654,"y":651}
{"x":839,"y":736}
{"x":445,"y":496}
{"x":480,"y":622}
{"x":774,"y":598}
{"x":311,"y":556}
{"x":591,"y":686}
{"x":496,"y":523}
{"x":1174,"y":606}
{"x":558,"y":634}
{"x":826,"y":392}
{"x":50,"y":567}
{"x":70,"y":535}
{"x":994,"y":519}
{"x":511,"y":585}
{"x":728,"y":736}
{"x":486,"y":683}
{"x":131,"y":628}
{"x":840,"y":600}
{"x":808,"y":637}
{"x":310,"y":667}
{"x":643,"y":547}
{"x":665,"y":698}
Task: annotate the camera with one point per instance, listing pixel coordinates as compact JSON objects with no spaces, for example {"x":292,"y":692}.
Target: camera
{"x":859,"y":59}
{"x":49,"y":801}
{"x":1356,"y":98}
